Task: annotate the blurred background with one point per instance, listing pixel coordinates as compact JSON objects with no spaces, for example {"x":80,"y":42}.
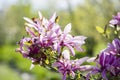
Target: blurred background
{"x":84,"y":15}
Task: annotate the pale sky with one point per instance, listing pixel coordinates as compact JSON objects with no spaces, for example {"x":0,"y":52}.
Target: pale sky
{"x":43,"y":4}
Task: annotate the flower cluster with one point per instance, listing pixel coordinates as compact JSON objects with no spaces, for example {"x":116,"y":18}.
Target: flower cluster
{"x":108,"y":61}
{"x":48,"y":45}
{"x":66,"y":66}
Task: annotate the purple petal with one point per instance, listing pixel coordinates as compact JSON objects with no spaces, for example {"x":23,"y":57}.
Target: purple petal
{"x":64,"y":76}
{"x":113,"y":22}
{"x":116,"y":43}
{"x":81,"y":60}
{"x":118,"y":14}
{"x":29,"y":20}
{"x":71,"y":49}
{"x":30,"y":32}
{"x":67,"y":28}
{"x":86,"y":68}
{"x":58,"y":49}
{"x":72,"y":74}
{"x":78,"y":48}
{"x":102,"y":58}
{"x":91,"y":59}
{"x":40,"y":15}
{"x":66,"y":54}
{"x":52,"y":19}
{"x":104,"y":75}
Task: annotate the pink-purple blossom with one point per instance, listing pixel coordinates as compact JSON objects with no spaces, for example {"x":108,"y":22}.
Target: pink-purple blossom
{"x":109,"y":64}
{"x":50,"y":46}
{"x":116,"y":20}
{"x":69,"y":41}
{"x":69,"y":67}
{"x":43,"y":34}
{"x":108,"y":61}
{"x":47,"y":35}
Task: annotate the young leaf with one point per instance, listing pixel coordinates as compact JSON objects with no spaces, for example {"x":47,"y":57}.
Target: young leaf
{"x":99,"y":29}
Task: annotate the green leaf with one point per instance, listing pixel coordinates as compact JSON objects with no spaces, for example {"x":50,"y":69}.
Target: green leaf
{"x":99,"y":29}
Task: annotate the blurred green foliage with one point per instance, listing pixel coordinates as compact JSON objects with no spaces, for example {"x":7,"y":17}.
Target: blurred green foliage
{"x":84,"y":19}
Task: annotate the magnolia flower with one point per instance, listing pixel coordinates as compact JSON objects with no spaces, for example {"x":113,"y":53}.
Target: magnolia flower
{"x":45,"y":29}
{"x":43,"y":35}
{"x":67,"y":40}
{"x":69,"y":67}
{"x":106,"y":64}
{"x":116,"y":20}
{"x":108,"y":61}
{"x":46,"y":36}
